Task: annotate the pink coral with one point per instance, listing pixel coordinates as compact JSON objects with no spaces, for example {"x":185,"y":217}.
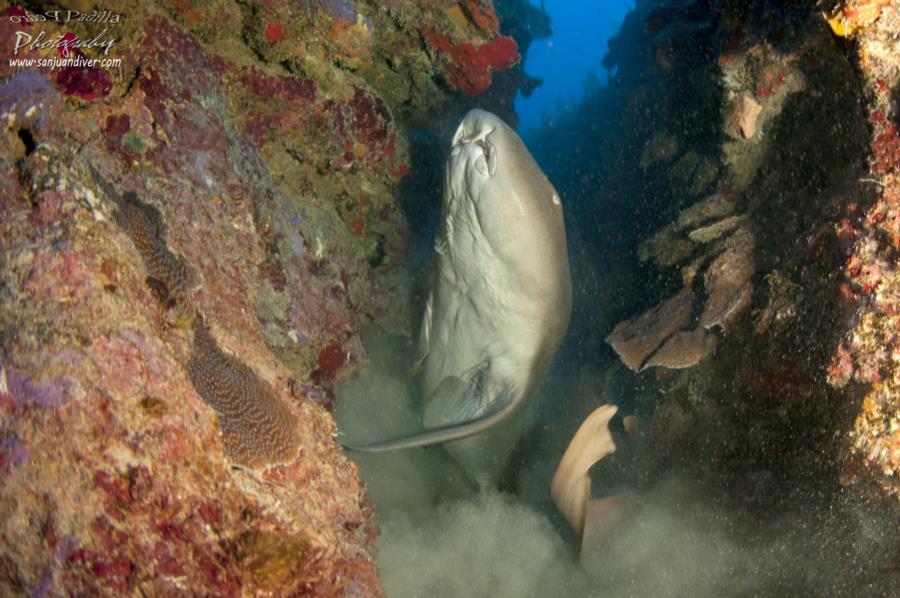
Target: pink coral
{"x":331,"y":359}
{"x":469,"y":67}
{"x":86,"y":82}
{"x":886,"y":150}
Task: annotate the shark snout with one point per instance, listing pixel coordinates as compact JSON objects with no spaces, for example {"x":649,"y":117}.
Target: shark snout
{"x":474,"y":140}
{"x":476,"y":126}
{"x":476,"y":149}
{"x":485,"y":157}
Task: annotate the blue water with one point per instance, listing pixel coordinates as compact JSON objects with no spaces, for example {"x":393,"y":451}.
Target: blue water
{"x":569,"y":60}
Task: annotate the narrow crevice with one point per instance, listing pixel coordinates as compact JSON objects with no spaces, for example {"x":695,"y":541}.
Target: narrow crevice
{"x":27,"y":140}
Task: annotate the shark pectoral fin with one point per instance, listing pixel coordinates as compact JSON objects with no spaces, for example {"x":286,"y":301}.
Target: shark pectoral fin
{"x":459,"y":398}
{"x":456,"y":398}
{"x":451,"y":391}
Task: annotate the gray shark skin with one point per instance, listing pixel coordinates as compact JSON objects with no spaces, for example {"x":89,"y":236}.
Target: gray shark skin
{"x":500,"y":298}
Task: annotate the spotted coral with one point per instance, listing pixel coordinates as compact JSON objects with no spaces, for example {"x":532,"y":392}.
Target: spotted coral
{"x":168,"y":275}
{"x":257,"y":428}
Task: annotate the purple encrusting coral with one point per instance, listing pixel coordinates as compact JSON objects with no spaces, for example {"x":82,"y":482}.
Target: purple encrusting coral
{"x":343,"y":10}
{"x":88,"y":83}
{"x":23,"y":392}
{"x":13,"y":452}
{"x":24,"y":91}
{"x":18,"y":15}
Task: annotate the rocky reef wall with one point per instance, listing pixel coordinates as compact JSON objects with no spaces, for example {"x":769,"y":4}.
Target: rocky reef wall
{"x":742,"y":196}
{"x":190,"y":243}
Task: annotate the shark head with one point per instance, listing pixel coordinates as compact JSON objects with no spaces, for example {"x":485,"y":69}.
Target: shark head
{"x":494,"y":186}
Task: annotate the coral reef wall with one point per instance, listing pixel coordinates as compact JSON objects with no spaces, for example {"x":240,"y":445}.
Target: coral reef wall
{"x":869,"y":231}
{"x":190,"y":242}
{"x":741,"y":188}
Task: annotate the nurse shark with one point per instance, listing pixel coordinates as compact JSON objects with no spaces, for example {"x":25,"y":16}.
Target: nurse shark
{"x":499,"y":302}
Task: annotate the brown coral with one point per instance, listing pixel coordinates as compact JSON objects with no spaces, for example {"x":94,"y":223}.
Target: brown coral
{"x":660,"y":336}
{"x":636,"y":340}
{"x":717,"y":205}
{"x":683,"y":350}
{"x":257,"y":428}
{"x":727,"y":281}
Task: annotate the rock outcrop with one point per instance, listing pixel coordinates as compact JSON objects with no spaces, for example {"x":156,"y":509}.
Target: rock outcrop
{"x":191,"y":238}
